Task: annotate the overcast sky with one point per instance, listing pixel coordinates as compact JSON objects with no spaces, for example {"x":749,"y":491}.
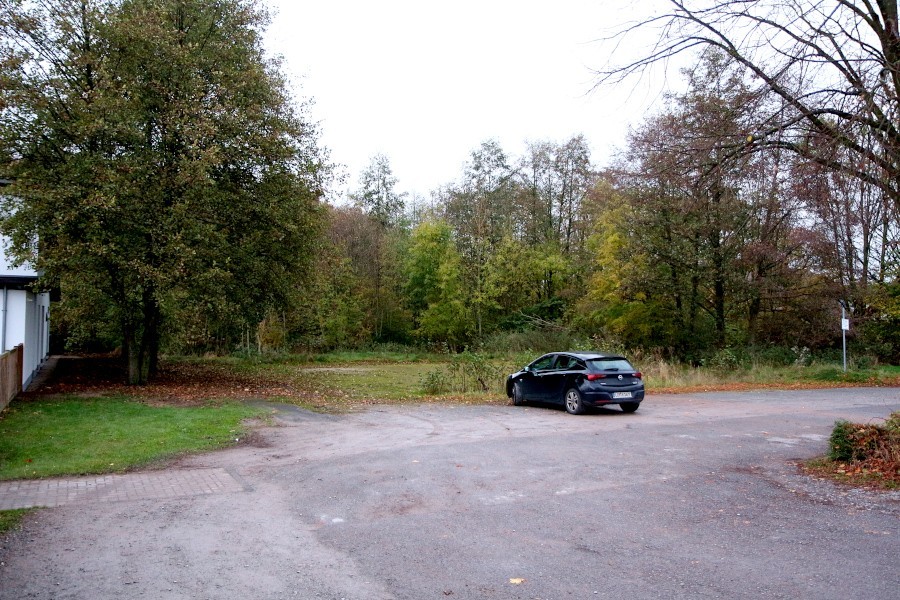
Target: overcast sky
{"x":425,"y":83}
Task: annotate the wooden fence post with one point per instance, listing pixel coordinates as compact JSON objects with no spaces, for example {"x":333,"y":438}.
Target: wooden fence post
{"x":11,"y":375}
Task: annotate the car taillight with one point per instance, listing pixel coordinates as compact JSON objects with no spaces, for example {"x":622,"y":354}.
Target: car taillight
{"x":595,"y":376}
{"x":638,"y":375}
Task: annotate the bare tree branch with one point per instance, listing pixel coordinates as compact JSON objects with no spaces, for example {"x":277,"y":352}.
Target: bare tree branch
{"x":831,"y":70}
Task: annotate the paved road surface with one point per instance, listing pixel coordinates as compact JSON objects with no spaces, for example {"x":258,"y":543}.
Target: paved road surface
{"x":694,"y":496}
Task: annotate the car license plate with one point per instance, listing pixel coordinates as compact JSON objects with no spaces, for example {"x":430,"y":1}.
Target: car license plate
{"x":621,"y":394}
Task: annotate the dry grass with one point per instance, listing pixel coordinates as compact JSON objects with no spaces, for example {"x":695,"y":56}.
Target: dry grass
{"x":666,"y":377}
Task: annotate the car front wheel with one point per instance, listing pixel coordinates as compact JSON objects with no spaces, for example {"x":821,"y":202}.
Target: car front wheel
{"x":629,"y":407}
{"x":574,"y":405}
{"x":518,"y":398}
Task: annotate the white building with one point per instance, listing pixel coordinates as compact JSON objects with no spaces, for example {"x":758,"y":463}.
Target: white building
{"x":24,"y":315}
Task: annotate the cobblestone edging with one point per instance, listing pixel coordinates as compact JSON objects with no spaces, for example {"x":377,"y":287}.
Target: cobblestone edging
{"x":112,"y":488}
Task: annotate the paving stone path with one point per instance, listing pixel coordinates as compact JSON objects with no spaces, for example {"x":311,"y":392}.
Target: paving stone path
{"x":111,"y":488}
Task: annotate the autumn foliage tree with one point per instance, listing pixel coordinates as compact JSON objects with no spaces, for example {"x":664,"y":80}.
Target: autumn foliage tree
{"x":823,"y":88}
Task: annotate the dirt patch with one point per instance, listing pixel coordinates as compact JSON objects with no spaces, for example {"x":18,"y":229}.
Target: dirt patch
{"x":177,"y":383}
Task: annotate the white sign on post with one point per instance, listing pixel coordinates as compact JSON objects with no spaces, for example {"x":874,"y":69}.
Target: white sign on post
{"x":845,"y":324}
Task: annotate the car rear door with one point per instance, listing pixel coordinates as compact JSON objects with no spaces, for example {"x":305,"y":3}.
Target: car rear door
{"x":554,"y":382}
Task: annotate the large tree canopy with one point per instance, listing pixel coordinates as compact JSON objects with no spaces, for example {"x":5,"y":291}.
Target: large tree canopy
{"x":827,"y":74}
{"x":159,"y":164}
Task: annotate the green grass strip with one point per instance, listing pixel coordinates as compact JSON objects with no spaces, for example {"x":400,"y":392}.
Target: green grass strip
{"x":11,"y":519}
{"x":76,"y":436}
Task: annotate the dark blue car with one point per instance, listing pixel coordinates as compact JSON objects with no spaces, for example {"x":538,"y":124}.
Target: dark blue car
{"x":579,"y":380}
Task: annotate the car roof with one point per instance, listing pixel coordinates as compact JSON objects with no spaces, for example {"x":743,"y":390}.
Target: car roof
{"x":591,"y":355}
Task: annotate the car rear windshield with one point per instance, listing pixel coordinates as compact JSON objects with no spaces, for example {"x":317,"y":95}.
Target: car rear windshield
{"x":610,"y":364}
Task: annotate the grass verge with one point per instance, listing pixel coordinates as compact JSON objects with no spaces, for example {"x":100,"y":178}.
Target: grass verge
{"x":54,"y":436}
{"x":662,"y":376}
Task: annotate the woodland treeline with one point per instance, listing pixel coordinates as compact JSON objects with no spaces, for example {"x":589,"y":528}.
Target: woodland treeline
{"x":171,"y":189}
{"x":681,"y":246}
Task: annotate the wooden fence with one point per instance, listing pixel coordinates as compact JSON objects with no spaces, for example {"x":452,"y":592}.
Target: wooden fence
{"x":10,"y":375}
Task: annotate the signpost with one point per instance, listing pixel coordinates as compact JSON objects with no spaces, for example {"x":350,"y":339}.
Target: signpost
{"x":845,"y":327}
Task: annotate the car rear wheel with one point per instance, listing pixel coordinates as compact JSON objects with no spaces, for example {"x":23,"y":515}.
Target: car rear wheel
{"x":629,"y":407}
{"x":574,"y":405}
{"x":518,"y":398}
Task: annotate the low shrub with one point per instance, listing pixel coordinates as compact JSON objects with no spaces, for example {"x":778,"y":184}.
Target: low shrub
{"x":474,"y":371}
{"x":842,"y":446}
{"x":860,"y":443}
{"x":726,"y":359}
{"x":466,"y":372}
{"x":435,"y":382}
{"x":779,"y":356}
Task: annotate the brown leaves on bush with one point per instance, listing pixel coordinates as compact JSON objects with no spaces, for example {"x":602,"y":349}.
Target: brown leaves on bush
{"x":864,"y":454}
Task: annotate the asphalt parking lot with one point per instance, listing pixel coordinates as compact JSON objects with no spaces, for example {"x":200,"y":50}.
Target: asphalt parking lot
{"x":693,"y":496}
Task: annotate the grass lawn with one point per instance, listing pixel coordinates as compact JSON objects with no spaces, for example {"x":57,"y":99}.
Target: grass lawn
{"x":52,"y":436}
{"x":387,"y":381}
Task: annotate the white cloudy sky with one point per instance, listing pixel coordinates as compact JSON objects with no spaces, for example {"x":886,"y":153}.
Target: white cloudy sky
{"x":425,"y":82}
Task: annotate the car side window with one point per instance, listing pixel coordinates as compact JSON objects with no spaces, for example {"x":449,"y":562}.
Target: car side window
{"x":543,"y":363}
{"x":565,"y":363}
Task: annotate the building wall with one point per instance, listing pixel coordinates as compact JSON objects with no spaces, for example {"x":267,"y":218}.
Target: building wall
{"x":25,"y":320}
{"x":25,"y":317}
{"x":13,"y":326}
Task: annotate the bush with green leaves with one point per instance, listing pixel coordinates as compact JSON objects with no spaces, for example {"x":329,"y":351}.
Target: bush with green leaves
{"x":466,"y":372}
{"x":436,"y":382}
{"x":475,"y":371}
{"x":841,"y":443}
{"x":726,"y":359}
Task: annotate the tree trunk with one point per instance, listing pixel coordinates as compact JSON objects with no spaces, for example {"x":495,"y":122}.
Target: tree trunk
{"x":151,"y":338}
{"x":133,"y":356}
{"x":753,"y":318}
{"x":719,"y":291}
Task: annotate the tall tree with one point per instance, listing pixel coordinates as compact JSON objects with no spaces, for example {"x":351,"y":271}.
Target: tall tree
{"x":480,"y":212}
{"x":377,"y":194}
{"x":554,"y":180}
{"x":157,"y":159}
{"x":384,"y":206}
{"x":701,"y":207}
